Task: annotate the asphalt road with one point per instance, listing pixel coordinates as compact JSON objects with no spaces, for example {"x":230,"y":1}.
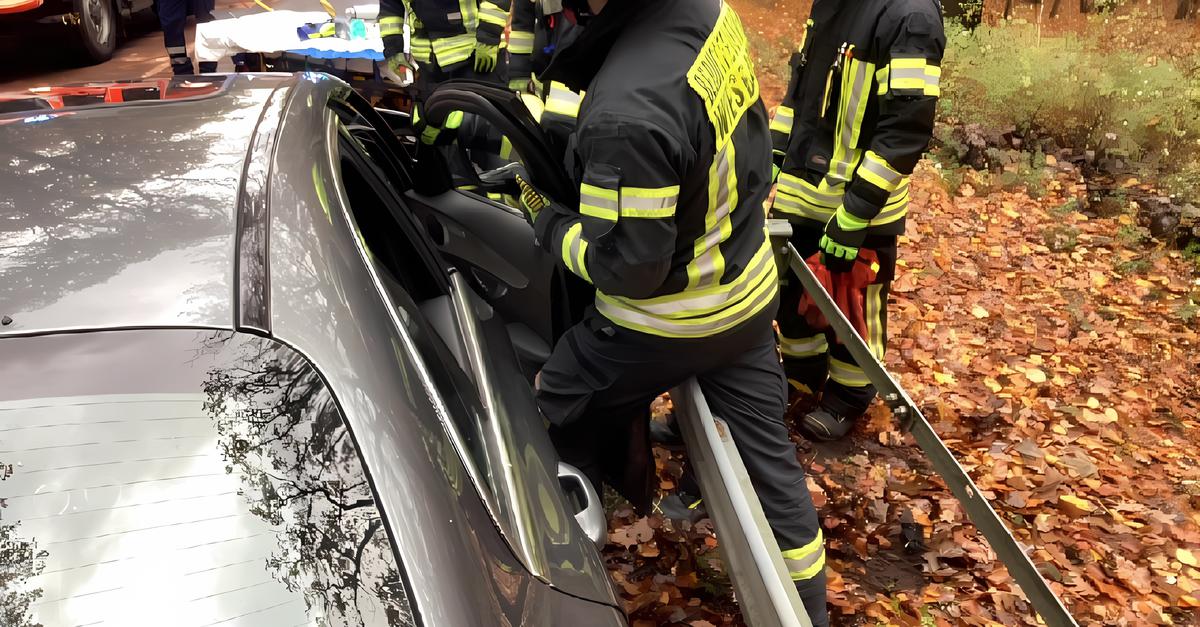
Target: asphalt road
{"x":142,"y":54}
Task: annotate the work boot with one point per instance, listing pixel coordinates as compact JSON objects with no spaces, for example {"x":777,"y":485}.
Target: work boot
{"x":680,"y":506}
{"x":826,"y":425}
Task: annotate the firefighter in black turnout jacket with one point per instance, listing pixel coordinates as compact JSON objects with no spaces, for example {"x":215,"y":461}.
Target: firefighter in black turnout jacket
{"x":671,"y":153}
{"x":448,"y":39}
{"x":854,"y":121}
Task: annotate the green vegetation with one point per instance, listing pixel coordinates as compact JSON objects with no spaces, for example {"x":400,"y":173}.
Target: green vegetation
{"x":1073,"y":91}
{"x":1131,"y":236}
{"x":1133,"y":266}
{"x":1061,"y":239}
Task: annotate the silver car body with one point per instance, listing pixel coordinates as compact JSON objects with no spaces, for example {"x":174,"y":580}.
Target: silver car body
{"x":229,"y":212}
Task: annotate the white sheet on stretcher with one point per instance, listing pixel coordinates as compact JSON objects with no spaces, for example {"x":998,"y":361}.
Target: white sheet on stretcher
{"x":275,"y":31}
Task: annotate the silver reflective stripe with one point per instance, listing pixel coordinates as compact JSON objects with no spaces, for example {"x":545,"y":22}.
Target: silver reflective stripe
{"x":706,"y":261}
{"x":619,"y":314}
{"x":711,"y":301}
{"x":576,"y":243}
{"x":858,"y":86}
{"x":176,"y":50}
{"x":783,"y":117}
{"x":890,"y":212}
{"x":909,"y":72}
{"x":797,"y":189}
{"x":788,"y":204}
{"x":599,"y":202}
{"x":638,"y":202}
{"x":805,"y":347}
{"x":804,"y":563}
{"x":878,"y":169}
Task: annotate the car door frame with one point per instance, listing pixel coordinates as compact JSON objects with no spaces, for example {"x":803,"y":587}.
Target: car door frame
{"x":540,"y":531}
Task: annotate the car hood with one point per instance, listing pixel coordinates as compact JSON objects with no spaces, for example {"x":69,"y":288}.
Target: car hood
{"x":124,"y":215}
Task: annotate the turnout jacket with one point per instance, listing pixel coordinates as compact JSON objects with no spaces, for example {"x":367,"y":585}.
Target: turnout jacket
{"x":538,"y":28}
{"x":442,"y":32}
{"x":672,"y":155}
{"x":858,"y":112}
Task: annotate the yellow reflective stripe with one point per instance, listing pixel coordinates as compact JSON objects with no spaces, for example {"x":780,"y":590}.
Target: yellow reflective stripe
{"x":708,"y":264}
{"x":598,"y":202}
{"x":451,"y":50}
{"x":391,"y":25}
{"x":647,"y":202}
{"x":823,"y":196}
{"x":562,"y":101}
{"x":878,"y":172}
{"x":807,"y":561}
{"x":849,"y":221}
{"x":534,"y":104}
{"x":896,"y":207}
{"x":703,"y":301}
{"x":803,"y":347}
{"x":737,"y":302}
{"x":914,"y":77}
{"x":847,"y":374}
{"x":781,"y":122}
{"x":881,"y":78}
{"x":574,"y":251}
{"x":875,"y":315}
{"x":520,"y":42}
{"x":852,"y":108}
{"x":469,"y":18}
{"x":911,"y":63}
{"x":492,"y":14}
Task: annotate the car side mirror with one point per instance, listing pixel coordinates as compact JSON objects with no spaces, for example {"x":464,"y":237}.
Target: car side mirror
{"x":589,"y":511}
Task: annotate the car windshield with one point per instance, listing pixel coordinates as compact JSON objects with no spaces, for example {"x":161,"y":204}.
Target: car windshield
{"x":177,"y":477}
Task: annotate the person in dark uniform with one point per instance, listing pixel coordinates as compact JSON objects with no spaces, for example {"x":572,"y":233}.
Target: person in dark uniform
{"x":172,"y":16}
{"x":671,"y":151}
{"x":856,"y":118}
{"x":448,"y":39}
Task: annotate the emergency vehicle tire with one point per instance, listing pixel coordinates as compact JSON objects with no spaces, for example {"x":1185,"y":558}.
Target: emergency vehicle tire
{"x":96,"y":31}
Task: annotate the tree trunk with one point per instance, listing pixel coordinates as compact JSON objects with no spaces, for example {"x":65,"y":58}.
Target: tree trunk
{"x":1086,"y":6}
{"x":1008,"y":9}
{"x":1183,"y":10}
{"x":1055,"y":7}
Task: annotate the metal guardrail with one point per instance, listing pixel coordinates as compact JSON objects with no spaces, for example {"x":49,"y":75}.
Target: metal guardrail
{"x":765,"y":591}
{"x":980,"y":511}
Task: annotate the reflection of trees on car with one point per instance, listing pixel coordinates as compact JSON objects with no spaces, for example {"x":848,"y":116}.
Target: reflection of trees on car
{"x":20,"y":560}
{"x":280,"y":431}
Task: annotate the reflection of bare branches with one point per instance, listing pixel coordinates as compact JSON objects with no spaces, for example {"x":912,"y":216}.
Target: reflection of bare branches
{"x":20,"y":560}
{"x":283,"y":435}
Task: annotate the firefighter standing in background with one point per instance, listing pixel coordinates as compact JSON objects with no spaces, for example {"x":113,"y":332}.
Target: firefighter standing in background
{"x":671,"y":152}
{"x":172,"y":17}
{"x":856,"y":117}
{"x":449,"y":39}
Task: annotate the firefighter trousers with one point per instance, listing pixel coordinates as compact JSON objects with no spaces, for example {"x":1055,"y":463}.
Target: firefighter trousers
{"x":813,"y":357}
{"x":596,"y":391}
{"x":172,"y":17}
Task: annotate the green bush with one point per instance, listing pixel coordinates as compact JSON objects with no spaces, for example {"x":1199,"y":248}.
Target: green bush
{"x":1074,"y":91}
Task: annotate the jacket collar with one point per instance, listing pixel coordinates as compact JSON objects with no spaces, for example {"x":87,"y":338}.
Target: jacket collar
{"x":583,"y":51}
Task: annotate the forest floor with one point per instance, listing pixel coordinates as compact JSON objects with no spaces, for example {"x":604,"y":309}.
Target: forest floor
{"x":1058,"y":355}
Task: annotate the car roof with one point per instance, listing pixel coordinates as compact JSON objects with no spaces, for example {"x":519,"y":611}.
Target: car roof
{"x":118,"y":215}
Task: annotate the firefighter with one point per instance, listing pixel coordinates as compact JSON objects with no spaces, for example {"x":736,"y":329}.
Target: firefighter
{"x":537,"y":28}
{"x":449,"y":39}
{"x":172,"y":17}
{"x":671,"y":152}
{"x":856,"y":117}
